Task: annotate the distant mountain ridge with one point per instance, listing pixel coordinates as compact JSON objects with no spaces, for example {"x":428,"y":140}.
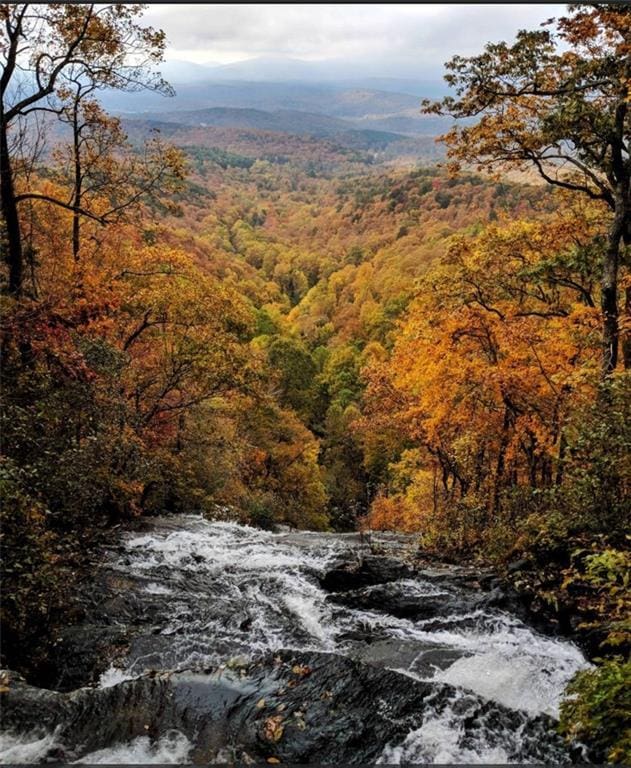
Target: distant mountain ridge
{"x":354,"y":111}
{"x":284,"y":120}
{"x":335,"y":100}
{"x":287,"y":70}
{"x":285,"y":96}
{"x":363,"y":146}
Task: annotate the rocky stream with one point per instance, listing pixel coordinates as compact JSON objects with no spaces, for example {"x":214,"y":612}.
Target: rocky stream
{"x":204,"y":642}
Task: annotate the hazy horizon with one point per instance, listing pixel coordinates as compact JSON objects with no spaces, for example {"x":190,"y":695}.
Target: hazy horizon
{"x":332,"y":41}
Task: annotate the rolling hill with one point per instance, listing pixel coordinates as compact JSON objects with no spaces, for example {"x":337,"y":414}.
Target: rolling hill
{"x":363,"y":107}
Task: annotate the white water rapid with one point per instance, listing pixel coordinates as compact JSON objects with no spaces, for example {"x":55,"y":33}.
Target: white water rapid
{"x":211,"y":592}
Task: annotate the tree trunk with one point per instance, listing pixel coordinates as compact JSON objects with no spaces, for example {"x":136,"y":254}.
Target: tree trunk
{"x":76,"y":236}
{"x":78,"y":178}
{"x":626,"y":339}
{"x":501,"y":459}
{"x":561,"y":458}
{"x":609,"y":293}
{"x":12,"y":235}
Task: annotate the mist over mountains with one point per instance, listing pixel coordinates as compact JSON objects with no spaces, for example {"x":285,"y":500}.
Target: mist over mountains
{"x":285,"y":69}
{"x":287,"y":96}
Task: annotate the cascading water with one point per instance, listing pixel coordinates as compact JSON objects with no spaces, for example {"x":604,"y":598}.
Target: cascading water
{"x":207,"y":592}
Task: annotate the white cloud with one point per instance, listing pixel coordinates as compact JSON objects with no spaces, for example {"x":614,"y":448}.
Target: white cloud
{"x":387,"y":37}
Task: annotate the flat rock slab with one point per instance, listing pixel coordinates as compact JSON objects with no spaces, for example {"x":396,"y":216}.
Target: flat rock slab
{"x":292,"y":707}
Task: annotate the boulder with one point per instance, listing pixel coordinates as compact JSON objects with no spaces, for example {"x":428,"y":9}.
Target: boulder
{"x":371,"y":570}
{"x":386,"y":598}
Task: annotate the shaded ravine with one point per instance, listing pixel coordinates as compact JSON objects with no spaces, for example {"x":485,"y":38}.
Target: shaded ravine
{"x":306,"y":647}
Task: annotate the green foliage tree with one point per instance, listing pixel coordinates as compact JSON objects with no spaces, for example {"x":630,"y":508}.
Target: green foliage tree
{"x":596,"y":490}
{"x":297,"y":371}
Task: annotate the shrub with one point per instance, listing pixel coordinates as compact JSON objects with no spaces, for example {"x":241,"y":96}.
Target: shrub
{"x":34,"y":583}
{"x":597,"y":709}
{"x":260,"y":512}
{"x":596,"y":488}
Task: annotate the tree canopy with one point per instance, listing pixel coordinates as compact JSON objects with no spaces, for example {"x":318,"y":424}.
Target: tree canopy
{"x":556,"y":100}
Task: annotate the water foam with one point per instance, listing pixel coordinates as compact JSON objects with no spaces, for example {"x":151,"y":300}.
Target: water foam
{"x":25,"y":748}
{"x":172,"y":747}
{"x":441,"y":740}
{"x":502,"y":659}
{"x":532,"y":681}
{"x":113,"y":676}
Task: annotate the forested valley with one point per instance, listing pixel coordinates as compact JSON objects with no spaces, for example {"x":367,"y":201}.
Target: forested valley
{"x":285,"y":328}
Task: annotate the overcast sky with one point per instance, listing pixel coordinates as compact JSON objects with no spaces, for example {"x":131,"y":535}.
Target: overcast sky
{"x":387,"y":39}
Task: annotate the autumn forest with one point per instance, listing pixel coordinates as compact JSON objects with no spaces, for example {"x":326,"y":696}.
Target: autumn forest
{"x":293,"y":328}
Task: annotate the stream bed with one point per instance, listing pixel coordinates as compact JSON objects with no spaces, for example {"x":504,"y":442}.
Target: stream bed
{"x":226,"y":643}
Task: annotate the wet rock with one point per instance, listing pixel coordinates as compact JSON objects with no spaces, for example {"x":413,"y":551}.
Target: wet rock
{"x":490,"y":580}
{"x":373,"y":569}
{"x":463,"y":577}
{"x":294,"y":707}
{"x":402,"y":599}
{"x":81,"y":653}
{"x":428,"y":662}
{"x":390,"y":599}
{"x":422,"y":662}
{"x":518,"y":565}
{"x":502,"y":599}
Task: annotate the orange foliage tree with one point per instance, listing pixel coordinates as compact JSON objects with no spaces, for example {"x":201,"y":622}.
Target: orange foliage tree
{"x":557,"y":101}
{"x":496,"y":350}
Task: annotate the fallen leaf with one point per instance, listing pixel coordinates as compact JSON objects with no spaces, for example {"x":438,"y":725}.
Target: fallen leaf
{"x":273,"y":728}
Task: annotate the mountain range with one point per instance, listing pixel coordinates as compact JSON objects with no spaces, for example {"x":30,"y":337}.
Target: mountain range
{"x":286,"y":96}
{"x":404,"y":123}
{"x":285,"y":69}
